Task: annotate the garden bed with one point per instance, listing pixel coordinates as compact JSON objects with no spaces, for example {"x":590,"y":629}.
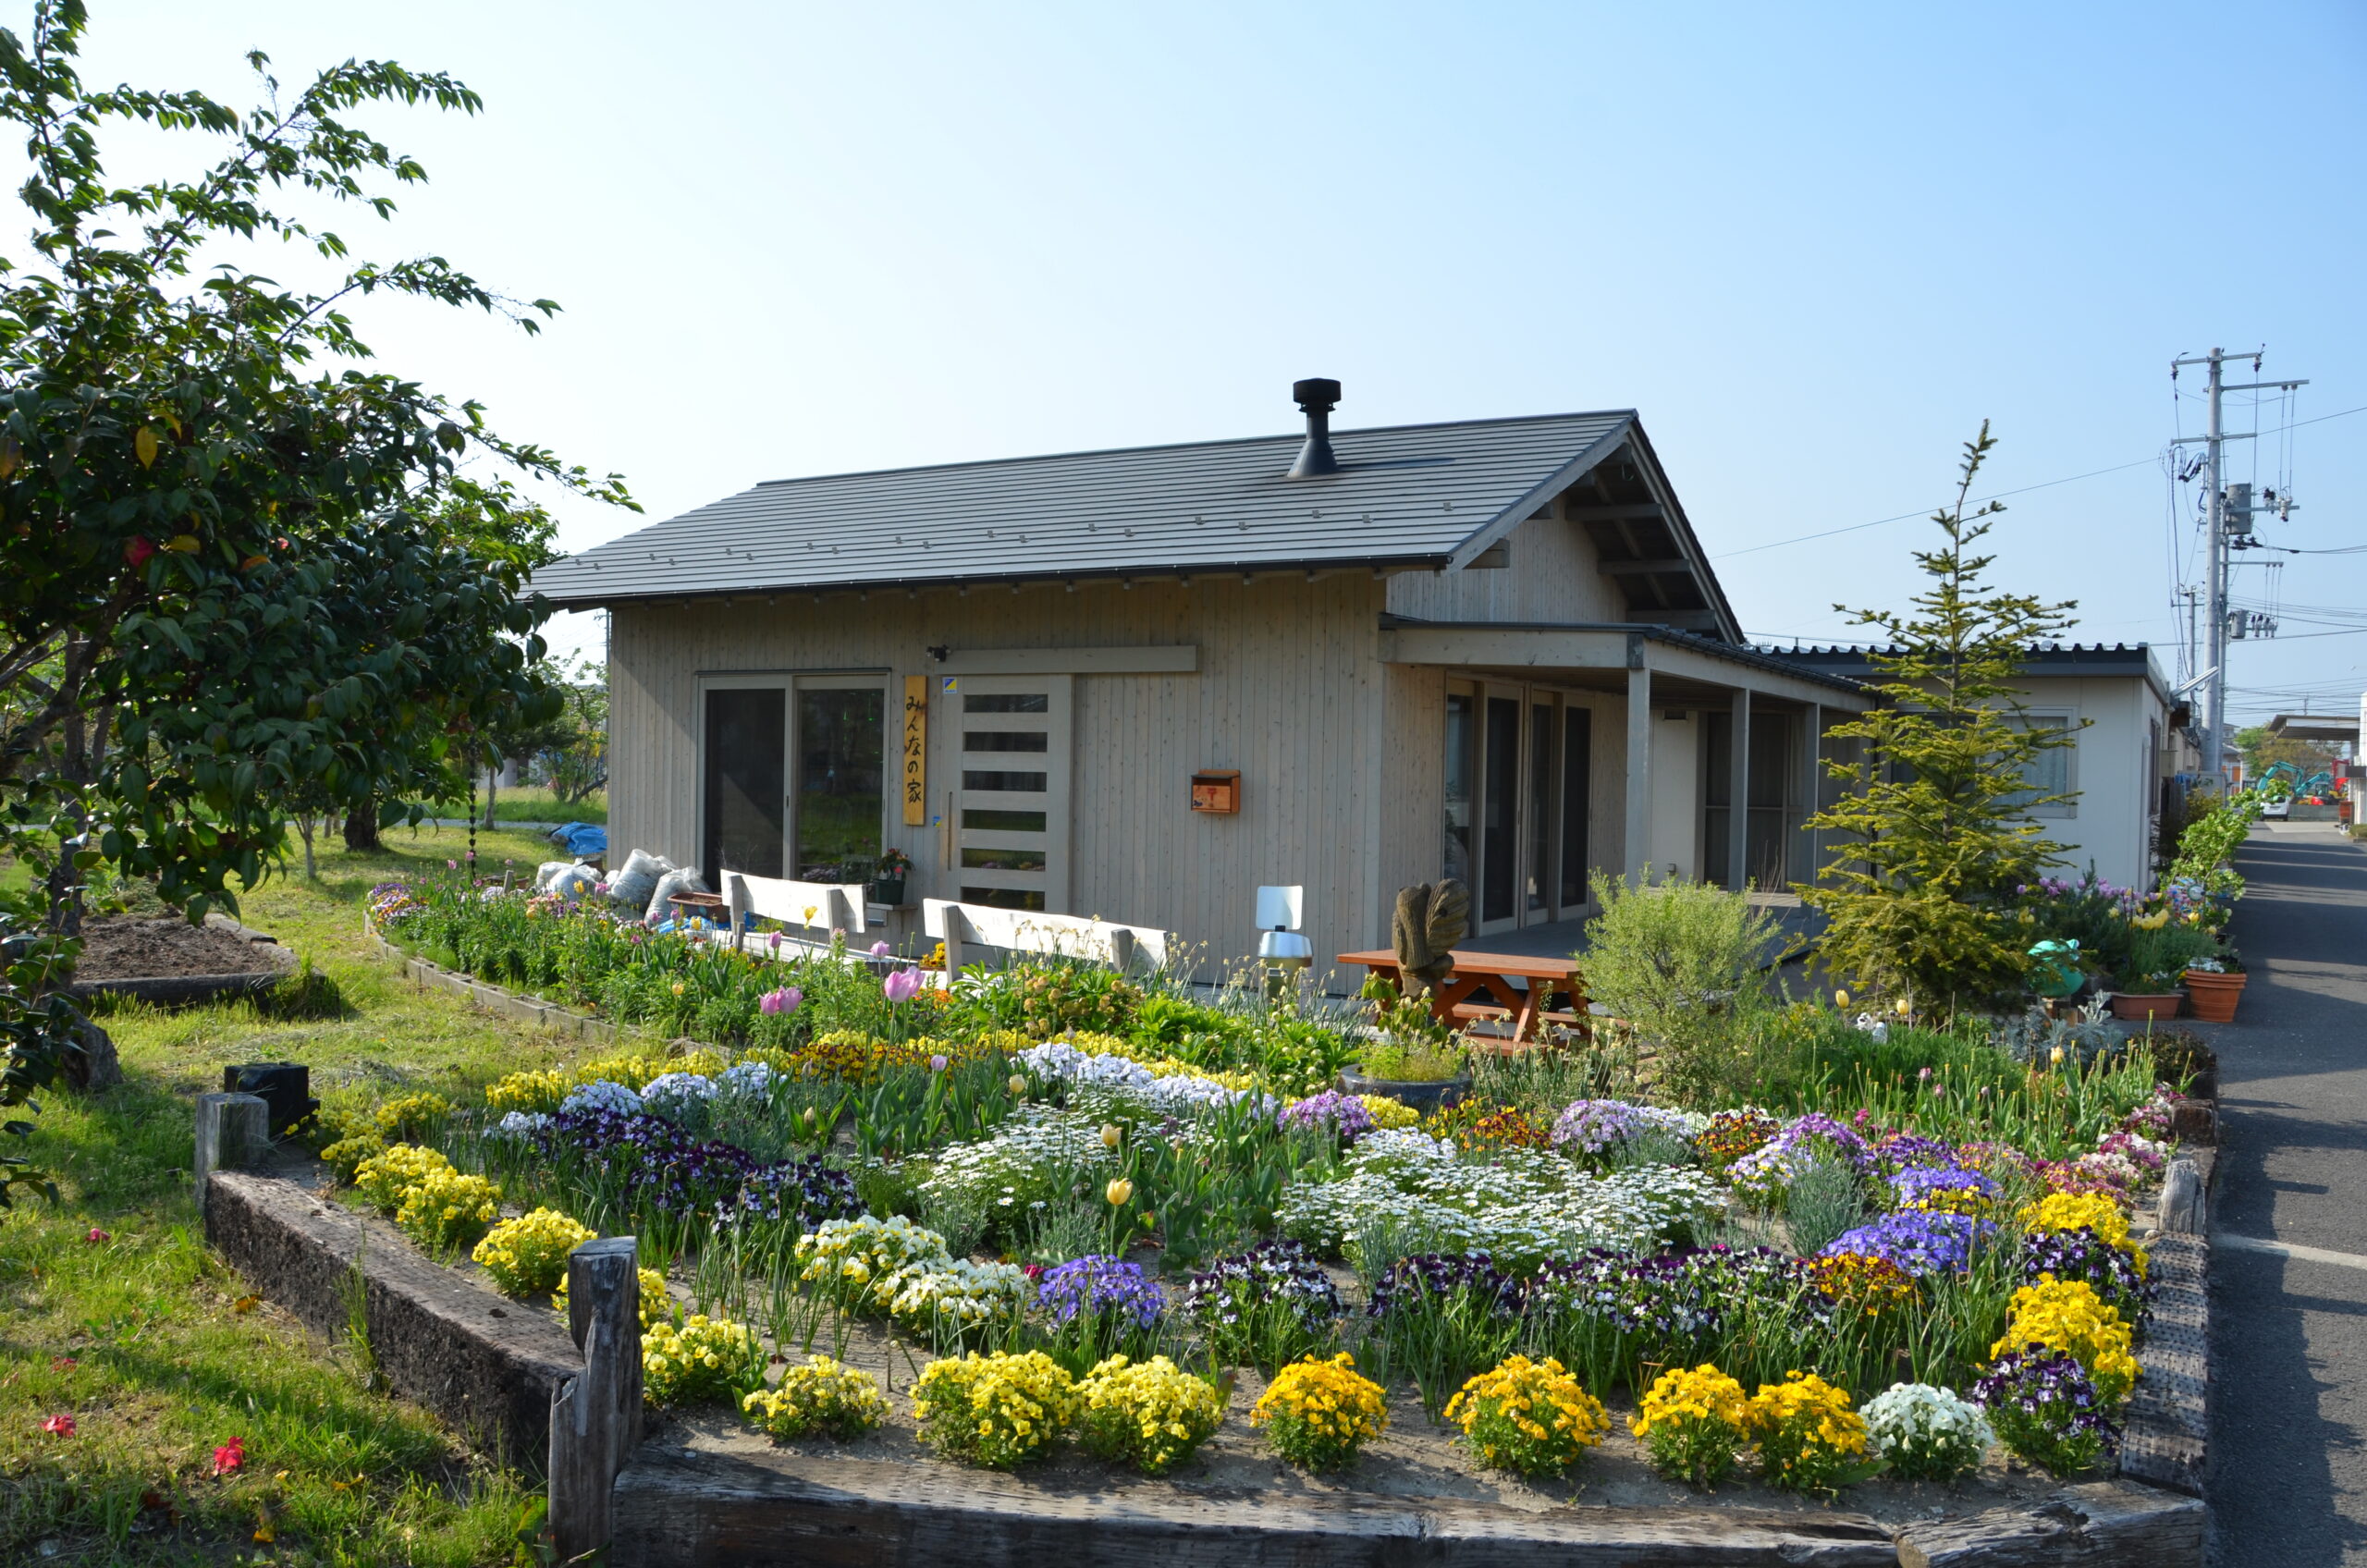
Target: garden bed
{"x":169,"y":961}
{"x":832,"y":1154}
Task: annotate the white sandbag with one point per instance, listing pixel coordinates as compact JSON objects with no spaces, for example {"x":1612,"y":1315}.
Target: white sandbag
{"x":661,"y":902}
{"x":548,"y":873}
{"x":638,"y":880}
{"x":577,"y":881}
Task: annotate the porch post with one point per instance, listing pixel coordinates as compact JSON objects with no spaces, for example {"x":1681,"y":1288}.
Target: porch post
{"x":1640,"y":768}
{"x":1738,"y":791}
{"x":1811,"y":784}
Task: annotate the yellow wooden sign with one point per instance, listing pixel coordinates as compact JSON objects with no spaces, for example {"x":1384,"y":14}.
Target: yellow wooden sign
{"x":915,"y":750}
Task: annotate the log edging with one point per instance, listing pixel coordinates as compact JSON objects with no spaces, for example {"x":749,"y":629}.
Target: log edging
{"x":2166,"y":1439}
{"x":484,"y":1364}
{"x":507,"y":1003}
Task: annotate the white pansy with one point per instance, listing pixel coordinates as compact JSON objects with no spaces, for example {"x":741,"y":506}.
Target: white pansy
{"x":603,"y":1094}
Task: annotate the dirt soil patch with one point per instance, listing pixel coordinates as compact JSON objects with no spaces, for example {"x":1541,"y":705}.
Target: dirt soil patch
{"x":125,"y":947}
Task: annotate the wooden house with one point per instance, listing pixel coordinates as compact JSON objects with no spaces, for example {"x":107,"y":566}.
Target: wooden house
{"x":1141,"y":683}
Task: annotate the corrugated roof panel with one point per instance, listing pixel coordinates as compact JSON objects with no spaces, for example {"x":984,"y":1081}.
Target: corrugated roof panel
{"x":1409,"y":492}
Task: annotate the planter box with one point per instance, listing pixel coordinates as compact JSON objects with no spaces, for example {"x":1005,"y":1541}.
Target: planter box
{"x":1423,"y":1097}
{"x":2140,"y":1006}
{"x":2213,"y":996}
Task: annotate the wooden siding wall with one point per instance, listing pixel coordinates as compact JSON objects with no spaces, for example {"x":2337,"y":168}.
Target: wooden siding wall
{"x":1555,"y":575}
{"x":1290,"y":690}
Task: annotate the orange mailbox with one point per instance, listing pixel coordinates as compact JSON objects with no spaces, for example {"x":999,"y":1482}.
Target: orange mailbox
{"x":1217,"y":789}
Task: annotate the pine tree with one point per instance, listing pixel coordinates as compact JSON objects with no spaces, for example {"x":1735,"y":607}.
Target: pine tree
{"x":1937,"y":838}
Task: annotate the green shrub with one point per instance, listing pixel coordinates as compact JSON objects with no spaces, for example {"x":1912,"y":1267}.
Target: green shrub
{"x":1682,"y":962}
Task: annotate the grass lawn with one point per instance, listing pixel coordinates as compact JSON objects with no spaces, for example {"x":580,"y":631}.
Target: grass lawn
{"x":114,"y":1313}
{"x":538,"y":802}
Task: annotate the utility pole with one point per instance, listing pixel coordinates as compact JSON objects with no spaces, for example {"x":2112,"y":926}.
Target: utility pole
{"x":2214,"y":592}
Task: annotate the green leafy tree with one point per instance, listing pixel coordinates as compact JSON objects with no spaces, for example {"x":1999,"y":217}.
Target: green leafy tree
{"x":579,"y":765}
{"x":246,"y":569}
{"x":1929,"y":852}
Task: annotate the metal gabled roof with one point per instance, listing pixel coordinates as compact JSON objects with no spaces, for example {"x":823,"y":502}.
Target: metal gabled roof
{"x":1410,"y":496}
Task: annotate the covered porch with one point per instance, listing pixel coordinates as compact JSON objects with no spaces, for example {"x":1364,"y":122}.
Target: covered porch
{"x":1641,"y":751}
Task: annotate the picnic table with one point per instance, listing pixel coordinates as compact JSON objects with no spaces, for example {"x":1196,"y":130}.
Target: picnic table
{"x":1479,"y":989}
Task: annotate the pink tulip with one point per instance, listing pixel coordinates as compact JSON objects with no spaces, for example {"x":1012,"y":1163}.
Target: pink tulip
{"x":937,"y":1064}
{"x":776,"y":941}
{"x":902,"y":985}
{"x":879,"y":949}
{"x":783,"y":1000}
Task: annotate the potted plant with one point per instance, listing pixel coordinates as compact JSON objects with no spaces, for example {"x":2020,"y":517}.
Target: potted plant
{"x":2214,"y":985}
{"x":887,"y":877}
{"x":2147,"y":998}
{"x":1416,"y":1060}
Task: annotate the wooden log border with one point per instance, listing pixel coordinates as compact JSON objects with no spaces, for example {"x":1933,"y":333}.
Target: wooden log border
{"x":529,"y":1011}
{"x":485,"y":1365}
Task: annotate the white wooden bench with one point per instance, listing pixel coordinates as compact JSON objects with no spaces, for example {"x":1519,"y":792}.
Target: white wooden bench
{"x":829,"y":906}
{"x":959,"y":925}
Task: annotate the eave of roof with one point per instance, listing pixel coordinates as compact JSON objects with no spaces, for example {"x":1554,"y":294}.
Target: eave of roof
{"x":2045,"y":658}
{"x":1735,"y":653}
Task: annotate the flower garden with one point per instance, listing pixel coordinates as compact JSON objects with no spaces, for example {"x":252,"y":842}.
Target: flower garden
{"x":1051,"y":1209}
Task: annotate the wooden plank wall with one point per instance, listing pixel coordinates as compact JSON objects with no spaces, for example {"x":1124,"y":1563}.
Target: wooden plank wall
{"x":1554,"y":575}
{"x":1288,"y":684}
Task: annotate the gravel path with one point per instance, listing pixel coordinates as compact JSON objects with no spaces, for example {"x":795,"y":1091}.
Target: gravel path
{"x":2288,"y":1442}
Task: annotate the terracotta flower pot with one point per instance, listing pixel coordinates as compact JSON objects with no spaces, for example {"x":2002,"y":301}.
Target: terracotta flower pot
{"x":2142,"y":1007}
{"x":2213,"y":996}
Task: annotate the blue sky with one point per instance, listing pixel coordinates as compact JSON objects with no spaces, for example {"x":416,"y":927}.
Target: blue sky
{"x":1815,"y":246}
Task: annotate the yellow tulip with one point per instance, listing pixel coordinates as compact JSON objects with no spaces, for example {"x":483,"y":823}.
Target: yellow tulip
{"x":1902,"y":1007}
{"x":1109,"y":1136}
{"x":1119,"y":1192}
{"x":1018,"y":1084}
{"x":1841,"y":999}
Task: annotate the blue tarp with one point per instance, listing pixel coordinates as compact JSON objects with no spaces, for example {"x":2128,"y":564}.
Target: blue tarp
{"x":582,"y":839}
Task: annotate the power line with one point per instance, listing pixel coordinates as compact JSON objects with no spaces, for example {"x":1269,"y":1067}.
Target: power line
{"x":2049,"y":484}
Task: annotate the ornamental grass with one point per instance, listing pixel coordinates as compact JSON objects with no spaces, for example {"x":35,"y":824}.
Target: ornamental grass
{"x":1809,"y":1439}
{"x":994,"y":1411}
{"x":1693,"y":1424}
{"x":1149,"y":1415}
{"x":528,"y":1255}
{"x":702,"y":1360}
{"x":1531,"y":1416}
{"x":1319,"y":1414}
{"x":819,"y":1396}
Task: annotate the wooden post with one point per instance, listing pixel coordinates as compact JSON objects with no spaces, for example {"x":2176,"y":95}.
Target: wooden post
{"x":1739,"y":792}
{"x":1639,"y":852}
{"x":1811,"y":789}
{"x":2180,"y":1213}
{"x":596,"y":1418}
{"x":232,"y":1131}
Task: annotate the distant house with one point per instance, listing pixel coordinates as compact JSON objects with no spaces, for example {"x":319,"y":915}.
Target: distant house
{"x":1139,"y":683}
{"x":2122,"y":763}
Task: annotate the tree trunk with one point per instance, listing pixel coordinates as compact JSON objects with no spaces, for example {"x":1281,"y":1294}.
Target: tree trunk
{"x":492,"y":788}
{"x":361,"y":828}
{"x":304,"y":826}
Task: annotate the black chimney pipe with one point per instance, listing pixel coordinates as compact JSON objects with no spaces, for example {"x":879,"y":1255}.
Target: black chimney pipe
{"x":1317,"y":396}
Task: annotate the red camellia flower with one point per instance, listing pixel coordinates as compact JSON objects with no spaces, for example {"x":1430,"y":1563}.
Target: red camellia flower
{"x":138,"y":550}
{"x":59,"y":1425}
{"x":230,"y":1456}
{"x":95,"y":1235}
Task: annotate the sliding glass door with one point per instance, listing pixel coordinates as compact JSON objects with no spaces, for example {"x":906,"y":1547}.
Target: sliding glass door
{"x":793,"y":774}
{"x":1519,"y":768}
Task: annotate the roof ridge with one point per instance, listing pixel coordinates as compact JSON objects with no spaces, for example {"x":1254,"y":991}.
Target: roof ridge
{"x":1188,"y":446}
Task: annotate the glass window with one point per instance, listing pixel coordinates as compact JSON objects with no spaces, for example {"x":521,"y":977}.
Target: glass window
{"x":1499,"y":810}
{"x":746,"y":760}
{"x":1540,"y":797}
{"x":1003,"y":860}
{"x":1577,"y":780}
{"x":841,"y":737}
{"x":1460,"y":732}
{"x":1004,"y":821}
{"x":2048,"y":773}
{"x":1007,"y":702}
{"x":1004,"y":898}
{"x":1006,"y":740}
{"x":1025,"y":782}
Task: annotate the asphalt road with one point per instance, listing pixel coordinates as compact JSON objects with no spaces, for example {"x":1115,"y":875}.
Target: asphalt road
{"x":2288,"y":1432}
